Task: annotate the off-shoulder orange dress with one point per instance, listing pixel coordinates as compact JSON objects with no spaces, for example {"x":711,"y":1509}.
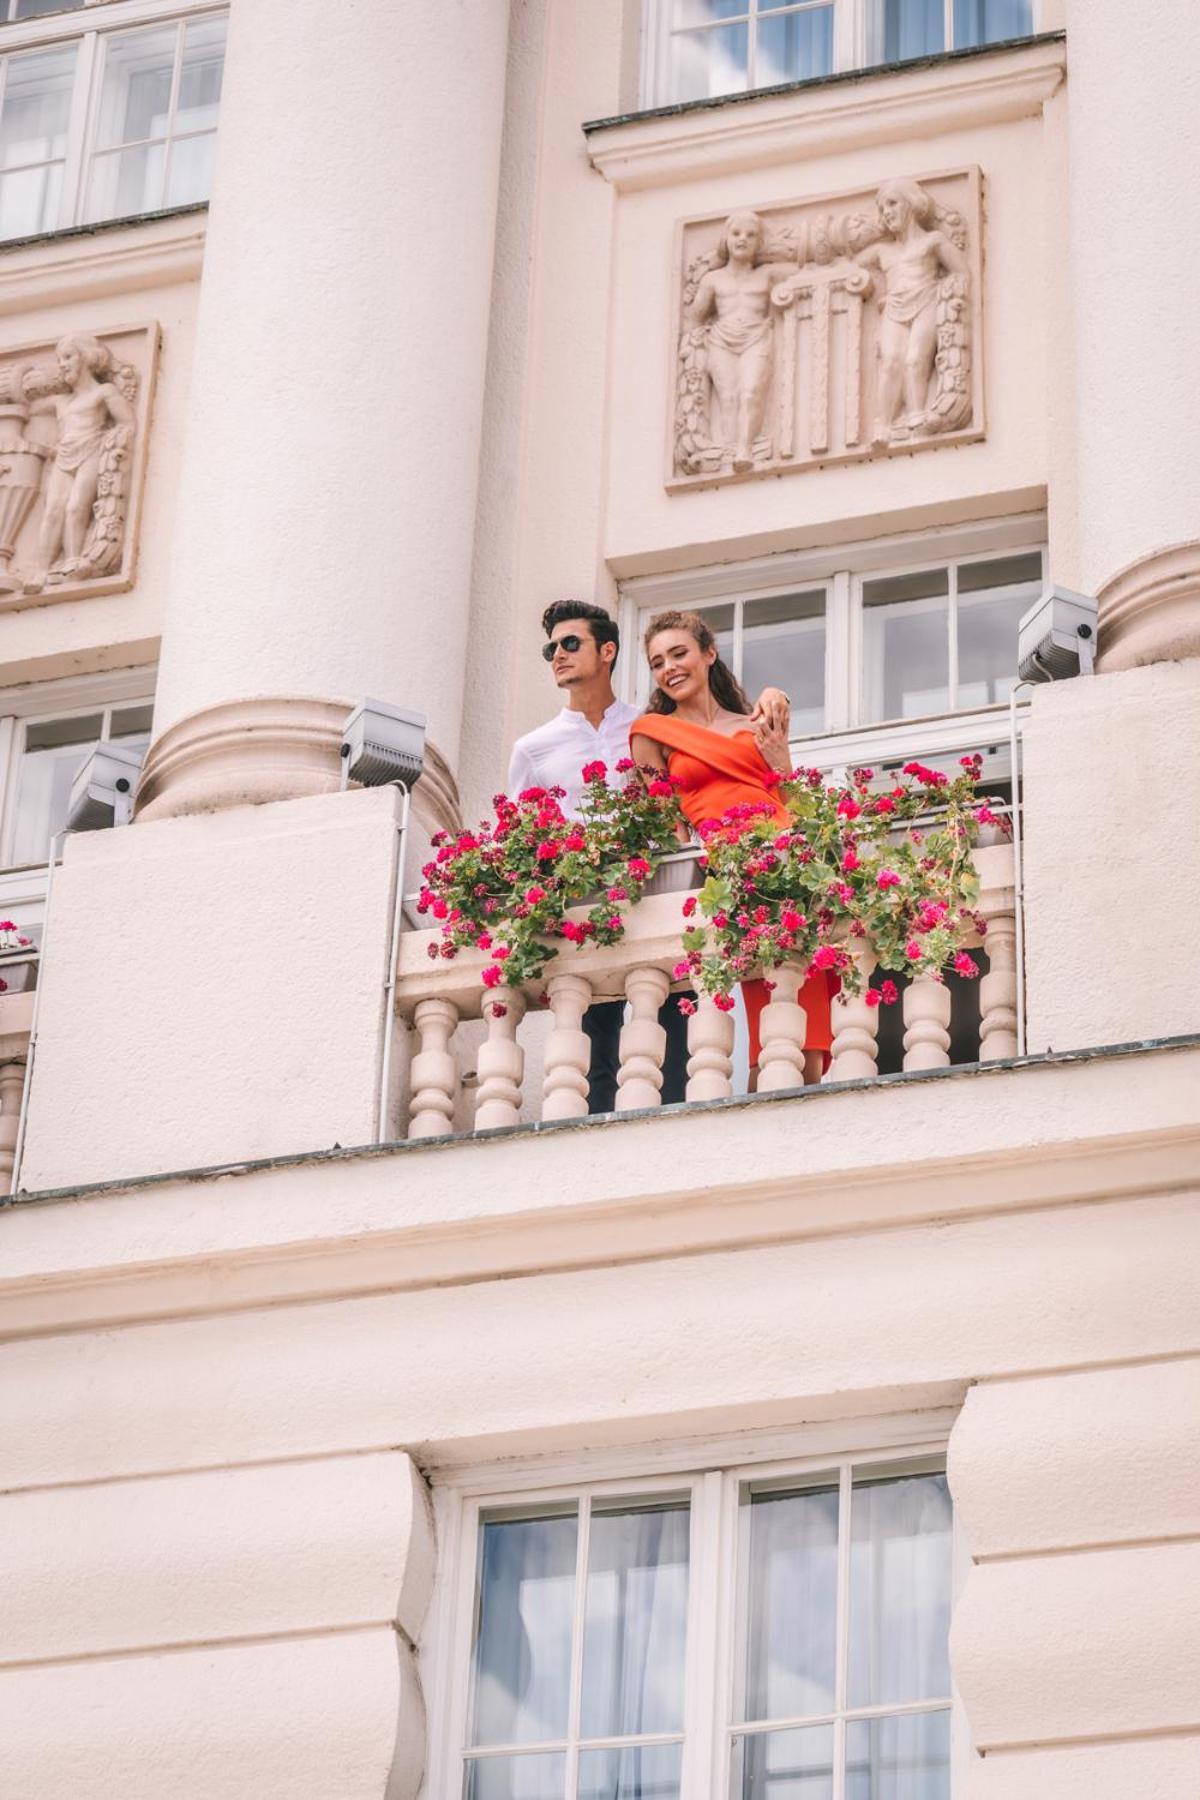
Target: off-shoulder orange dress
{"x":716,"y":772}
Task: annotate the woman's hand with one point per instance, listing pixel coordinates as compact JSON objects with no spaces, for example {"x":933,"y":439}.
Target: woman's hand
{"x":771,"y":736}
{"x":772,"y":708}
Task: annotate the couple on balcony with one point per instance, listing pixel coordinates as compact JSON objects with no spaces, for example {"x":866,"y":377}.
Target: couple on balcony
{"x":700,"y":728}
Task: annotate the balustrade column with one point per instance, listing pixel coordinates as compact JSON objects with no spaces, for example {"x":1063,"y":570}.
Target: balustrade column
{"x":783,"y":1026}
{"x":998,"y":989}
{"x":326,"y":509}
{"x":501,"y":1061}
{"x":855,"y":1025}
{"x":12,"y":1087}
{"x":927,"y":1025}
{"x":643,"y":1041}
{"x":435,"y":1075}
{"x":568,"y":1049}
{"x":710,"y":1052}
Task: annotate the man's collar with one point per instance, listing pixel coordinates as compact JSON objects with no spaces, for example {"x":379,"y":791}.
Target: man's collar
{"x":574,"y":712}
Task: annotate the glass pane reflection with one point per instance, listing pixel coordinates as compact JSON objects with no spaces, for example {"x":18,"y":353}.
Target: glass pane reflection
{"x":783,"y":645}
{"x":523,"y":1633}
{"x":913,"y":28}
{"x":784,"y":1765}
{"x":136,"y":95}
{"x":637,"y":1772}
{"x":516,"y":1778}
{"x":37,"y":105}
{"x":706,"y":63}
{"x":905,"y":1758}
{"x":900,"y":1572}
{"x":794,"y":47}
{"x":636,"y":1622}
{"x":990,"y":21}
{"x":906,"y":646}
{"x":792,"y":1604}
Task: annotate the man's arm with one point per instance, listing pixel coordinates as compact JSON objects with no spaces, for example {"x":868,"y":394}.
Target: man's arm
{"x":772,"y":709}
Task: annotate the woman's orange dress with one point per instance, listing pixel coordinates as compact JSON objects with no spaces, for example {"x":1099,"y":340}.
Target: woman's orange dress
{"x":716,"y":772}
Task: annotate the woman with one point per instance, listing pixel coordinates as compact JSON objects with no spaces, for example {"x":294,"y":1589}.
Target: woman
{"x":698,"y":728}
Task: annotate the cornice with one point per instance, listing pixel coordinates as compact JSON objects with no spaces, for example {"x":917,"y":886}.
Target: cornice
{"x":818,"y":119}
{"x":111,"y":259}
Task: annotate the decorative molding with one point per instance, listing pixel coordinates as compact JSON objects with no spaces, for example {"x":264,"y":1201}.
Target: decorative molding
{"x":820,"y":120}
{"x":829,"y":330}
{"x":73,"y":424}
{"x":85,"y":262}
{"x":1150,"y":610}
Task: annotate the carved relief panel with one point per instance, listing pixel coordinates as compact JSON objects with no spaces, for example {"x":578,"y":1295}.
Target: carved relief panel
{"x":73,"y":422}
{"x":829,"y":330}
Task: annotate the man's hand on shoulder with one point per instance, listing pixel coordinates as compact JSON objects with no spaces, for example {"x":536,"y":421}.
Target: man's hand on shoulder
{"x":772,"y":709}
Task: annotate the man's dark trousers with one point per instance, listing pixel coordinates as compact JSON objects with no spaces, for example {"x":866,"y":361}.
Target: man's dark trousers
{"x":602,"y":1024}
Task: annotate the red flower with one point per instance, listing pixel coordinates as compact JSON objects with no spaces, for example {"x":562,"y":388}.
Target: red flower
{"x":532,"y":794}
{"x":685,"y":1005}
{"x":912,"y":950}
{"x":825,"y":957}
{"x":884,"y":804}
{"x":595,"y":771}
{"x":502,"y":952}
{"x":772,"y":778}
{"x":689,"y":906}
{"x":639,"y":868}
{"x":724,"y":1002}
{"x":887,"y":878}
{"x":681,"y":971}
{"x":491,"y":976}
{"x":720,"y":920}
{"x":439,"y":908}
{"x":661,"y":790}
{"x":850,"y":861}
{"x":547,"y":850}
{"x":626,"y":765}
{"x":848,"y":808}
{"x":872,"y":996}
{"x":889,"y":993}
{"x":534,"y":896}
{"x":498,"y":1010}
{"x":574,"y":840}
{"x":484,"y":941}
{"x":791,"y":920}
{"x":617,"y":893}
{"x":965,"y":965}
{"x":431,"y":950}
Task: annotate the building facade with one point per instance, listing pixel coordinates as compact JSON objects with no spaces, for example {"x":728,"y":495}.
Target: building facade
{"x":373,"y":1423}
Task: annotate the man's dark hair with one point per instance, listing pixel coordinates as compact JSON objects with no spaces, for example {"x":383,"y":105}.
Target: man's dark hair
{"x":603,"y":628}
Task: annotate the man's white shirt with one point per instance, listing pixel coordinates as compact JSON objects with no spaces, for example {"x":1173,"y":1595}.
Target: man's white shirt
{"x":556,"y":753}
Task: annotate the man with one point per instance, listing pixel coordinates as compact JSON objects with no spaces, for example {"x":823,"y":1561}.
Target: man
{"x":582,"y":643}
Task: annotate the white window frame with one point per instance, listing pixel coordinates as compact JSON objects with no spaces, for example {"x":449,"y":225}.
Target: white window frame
{"x":23,"y":888}
{"x":712,"y":1475}
{"x":90,"y":27}
{"x":857,"y":40}
{"x":847,"y":740}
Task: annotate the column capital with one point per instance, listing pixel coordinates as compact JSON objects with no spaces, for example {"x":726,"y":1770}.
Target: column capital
{"x":1150,"y":610}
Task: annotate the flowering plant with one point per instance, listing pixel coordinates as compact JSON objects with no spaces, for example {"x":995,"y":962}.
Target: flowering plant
{"x":849,"y":863}
{"x":505,"y":888}
{"x":11,"y":939}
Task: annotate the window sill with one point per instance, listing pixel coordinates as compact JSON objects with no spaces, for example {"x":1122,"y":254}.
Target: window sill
{"x":830,"y":113}
{"x":81,"y":262}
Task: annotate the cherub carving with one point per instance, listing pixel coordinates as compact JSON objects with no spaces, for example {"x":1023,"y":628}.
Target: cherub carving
{"x":923,"y":315}
{"x":84,"y":499}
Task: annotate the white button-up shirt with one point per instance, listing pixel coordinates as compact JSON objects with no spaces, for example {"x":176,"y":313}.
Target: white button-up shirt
{"x":556,"y":753}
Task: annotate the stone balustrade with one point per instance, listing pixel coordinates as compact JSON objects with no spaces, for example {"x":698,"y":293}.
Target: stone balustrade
{"x":434,"y":997}
{"x":16,"y":1023}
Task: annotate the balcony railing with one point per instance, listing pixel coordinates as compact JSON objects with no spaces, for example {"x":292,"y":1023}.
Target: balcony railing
{"x":435,"y":997}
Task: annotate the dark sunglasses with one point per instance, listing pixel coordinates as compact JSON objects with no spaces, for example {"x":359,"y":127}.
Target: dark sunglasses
{"x":568,"y":642}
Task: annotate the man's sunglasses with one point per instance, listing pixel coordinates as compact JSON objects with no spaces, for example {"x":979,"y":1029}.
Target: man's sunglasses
{"x":568,"y":642}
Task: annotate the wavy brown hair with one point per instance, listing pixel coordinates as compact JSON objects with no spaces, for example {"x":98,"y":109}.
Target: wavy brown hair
{"x":726,"y":689}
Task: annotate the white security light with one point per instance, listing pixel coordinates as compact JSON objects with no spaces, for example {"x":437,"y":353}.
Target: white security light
{"x":1057,"y":636}
{"x":102,"y":792}
{"x":382,"y":745}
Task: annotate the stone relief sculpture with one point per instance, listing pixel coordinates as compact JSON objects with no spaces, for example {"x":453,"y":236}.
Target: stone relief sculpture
{"x":69,"y":435}
{"x":781,"y":358}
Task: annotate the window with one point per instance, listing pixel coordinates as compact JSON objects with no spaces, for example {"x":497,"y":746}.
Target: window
{"x":109,"y":125}
{"x":700,"y":49}
{"x":49,"y":755}
{"x":895,"y":652}
{"x":769,"y":1634}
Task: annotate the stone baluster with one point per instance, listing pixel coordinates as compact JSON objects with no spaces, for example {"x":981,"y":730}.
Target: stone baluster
{"x":855,"y":1024}
{"x":568,"y":1049}
{"x":783,"y":1027}
{"x":501,"y":1061}
{"x":927,"y":1025}
{"x":435,"y":1077}
{"x":643,"y":1040}
{"x":998,"y":989}
{"x":12,"y":1086}
{"x":710,"y":1052}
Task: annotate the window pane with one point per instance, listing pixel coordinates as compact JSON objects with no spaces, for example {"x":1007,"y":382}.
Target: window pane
{"x":906,"y":646}
{"x":783,"y":645}
{"x":907,"y":1758}
{"x":912,"y":28}
{"x":791,"y":1603}
{"x":136,"y":96}
{"x":644,"y":1772}
{"x":126,"y":182}
{"x":991,"y":21}
{"x":131,"y":721}
{"x":523,"y":1632}
{"x":200,"y":76}
{"x":784,"y":1765}
{"x":190,"y":170}
{"x":516,"y":1778}
{"x":33,"y":9}
{"x":704,"y":12}
{"x":991,"y":598}
{"x":899,"y":1590}
{"x":55,"y":751}
{"x":30,"y":200}
{"x":636,"y":1622}
{"x":794,"y":47}
{"x":37,"y":106}
{"x":719,"y":620}
{"x":703,"y":64}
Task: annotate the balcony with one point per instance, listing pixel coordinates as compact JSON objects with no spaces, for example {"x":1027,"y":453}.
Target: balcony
{"x":504,"y":1072}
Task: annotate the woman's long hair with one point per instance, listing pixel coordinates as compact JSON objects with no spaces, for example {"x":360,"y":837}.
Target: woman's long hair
{"x":726,"y":689}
